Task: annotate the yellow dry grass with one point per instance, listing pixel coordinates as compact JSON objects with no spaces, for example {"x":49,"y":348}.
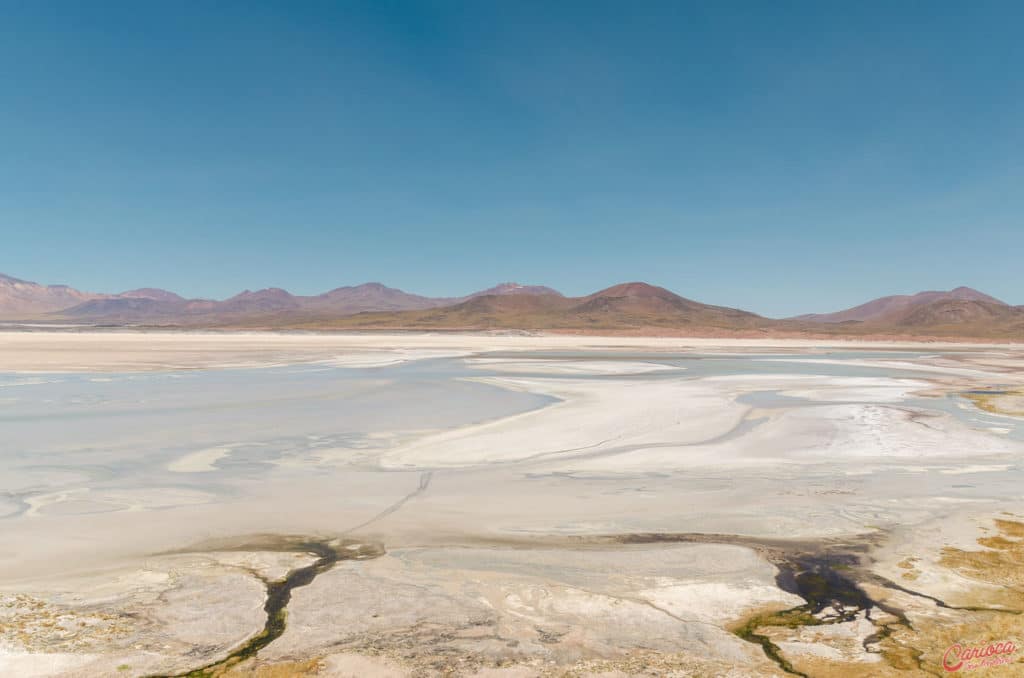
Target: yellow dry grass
{"x":296,"y":669}
{"x":1000,"y":563}
{"x":916,"y":649}
{"x":1005,"y":402}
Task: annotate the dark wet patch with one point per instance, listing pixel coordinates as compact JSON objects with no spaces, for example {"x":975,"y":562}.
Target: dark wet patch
{"x":825,"y":581}
{"x":824,"y":574}
{"x":827,"y":575}
{"x":279,"y":592}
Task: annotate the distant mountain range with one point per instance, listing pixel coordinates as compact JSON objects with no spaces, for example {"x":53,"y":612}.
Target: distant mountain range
{"x":629,"y":306}
{"x":897,"y":307}
{"x":958,"y":312}
{"x":626,"y":308}
{"x":24,"y":300}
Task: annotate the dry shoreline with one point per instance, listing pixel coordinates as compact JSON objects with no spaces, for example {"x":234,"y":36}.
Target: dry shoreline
{"x":123,"y":350}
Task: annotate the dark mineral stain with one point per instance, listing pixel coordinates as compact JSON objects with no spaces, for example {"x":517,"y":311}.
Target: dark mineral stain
{"x":279,"y":592}
{"x":821,"y":574}
{"x":831,"y":596}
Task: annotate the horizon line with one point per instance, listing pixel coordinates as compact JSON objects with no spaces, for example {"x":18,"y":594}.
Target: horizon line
{"x":458,"y":297}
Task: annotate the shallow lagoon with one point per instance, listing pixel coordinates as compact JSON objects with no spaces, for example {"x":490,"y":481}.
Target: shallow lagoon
{"x":134,"y":430}
{"x":472,"y":479}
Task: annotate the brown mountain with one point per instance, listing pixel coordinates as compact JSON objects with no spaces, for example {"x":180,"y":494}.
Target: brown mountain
{"x":630,"y":306}
{"x":641,"y":300}
{"x":266,"y":300}
{"x":23,"y":299}
{"x":273,"y":305}
{"x":510,"y":288}
{"x":134,"y":310}
{"x":640,"y":307}
{"x":960,"y":313}
{"x":371,"y":296}
{"x":951,"y":314}
{"x":149,"y":306}
{"x":151,"y":293}
{"x":116,"y":310}
{"x":893,"y":309}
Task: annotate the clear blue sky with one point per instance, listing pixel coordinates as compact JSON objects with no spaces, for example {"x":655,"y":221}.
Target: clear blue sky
{"x":776,"y":156}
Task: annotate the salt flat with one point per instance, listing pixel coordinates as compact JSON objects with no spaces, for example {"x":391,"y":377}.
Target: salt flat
{"x":128,"y":350}
{"x":495,"y":505}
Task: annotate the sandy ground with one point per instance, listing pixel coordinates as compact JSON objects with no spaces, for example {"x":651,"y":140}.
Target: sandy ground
{"x":127,"y":351}
{"x":503,"y":545}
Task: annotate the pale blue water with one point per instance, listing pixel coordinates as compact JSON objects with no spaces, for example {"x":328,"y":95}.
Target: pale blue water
{"x":128,"y":427}
{"x":66,"y":430}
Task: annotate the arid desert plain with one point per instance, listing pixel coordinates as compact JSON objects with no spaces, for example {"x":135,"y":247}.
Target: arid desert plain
{"x":502,"y":505}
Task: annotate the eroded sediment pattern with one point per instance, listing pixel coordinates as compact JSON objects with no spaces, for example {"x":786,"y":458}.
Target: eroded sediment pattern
{"x":505,"y":506}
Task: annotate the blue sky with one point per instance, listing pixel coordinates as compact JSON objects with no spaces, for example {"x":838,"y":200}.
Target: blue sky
{"x":780,"y":157}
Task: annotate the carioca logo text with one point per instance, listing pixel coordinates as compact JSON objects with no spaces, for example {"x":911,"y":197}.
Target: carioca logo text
{"x":959,"y":657}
